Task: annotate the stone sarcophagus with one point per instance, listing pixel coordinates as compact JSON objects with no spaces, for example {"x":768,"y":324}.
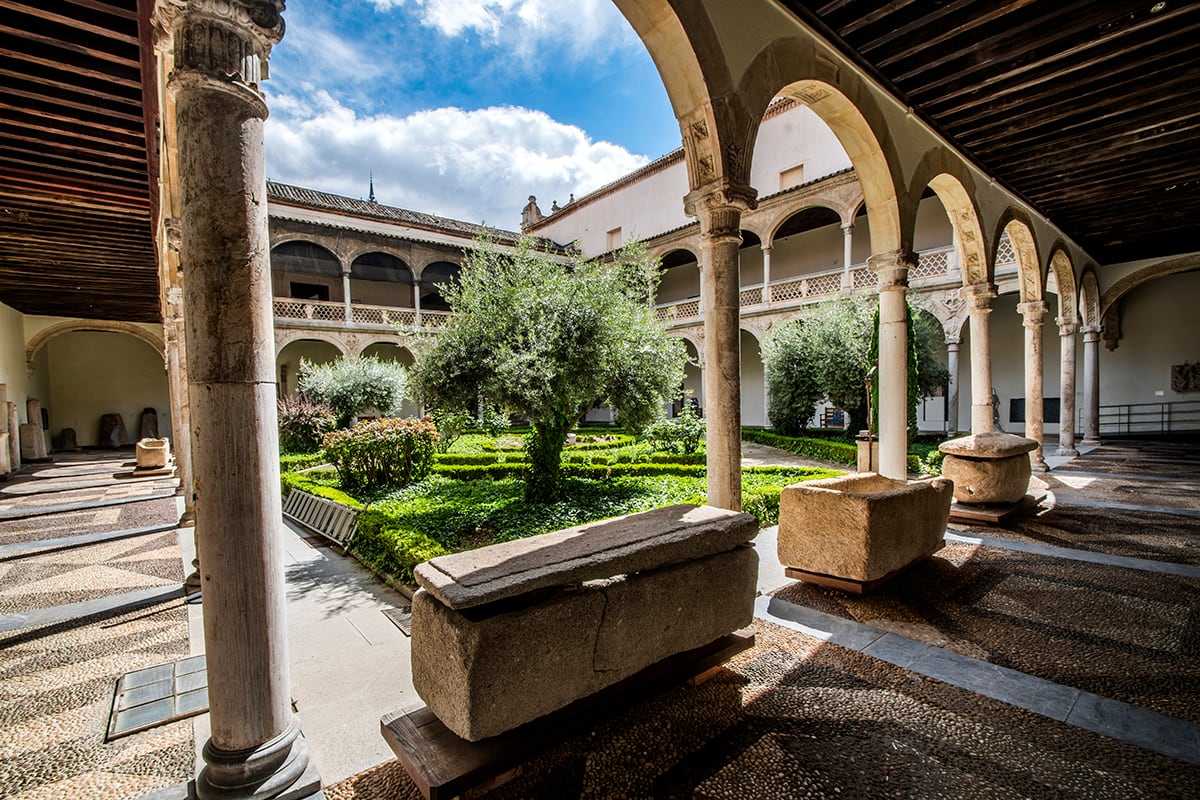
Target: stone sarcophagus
{"x":856,"y":531}
{"x":506,"y":634}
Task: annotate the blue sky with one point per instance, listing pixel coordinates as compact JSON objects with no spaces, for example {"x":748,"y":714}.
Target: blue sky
{"x":462,"y":108}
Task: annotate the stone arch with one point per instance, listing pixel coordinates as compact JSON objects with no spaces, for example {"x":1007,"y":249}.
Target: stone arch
{"x":1135,"y":279}
{"x":372,"y":348}
{"x":775,"y":224}
{"x":964,"y":218}
{"x":684,"y":282}
{"x":1019,"y":227}
{"x":39,"y":339}
{"x":1089,"y":297}
{"x":1064,"y":279}
{"x":285,"y":337}
{"x":382,"y":279}
{"x":794,"y":68}
{"x":753,"y":375}
{"x":430,"y":279}
{"x":301,"y":254}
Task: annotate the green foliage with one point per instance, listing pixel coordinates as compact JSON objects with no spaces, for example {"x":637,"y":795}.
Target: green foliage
{"x":818,"y":449}
{"x":302,"y":423}
{"x":829,"y":353}
{"x":350,"y":386}
{"x":382,"y":452}
{"x":451,"y":424}
{"x":392,"y":549}
{"x":549,"y":338}
{"x":763,"y":503}
{"x":683,"y":434}
{"x":316,"y":485}
{"x":294,"y":462}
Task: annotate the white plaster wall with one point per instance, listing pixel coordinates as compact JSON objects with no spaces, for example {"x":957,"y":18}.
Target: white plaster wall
{"x":679,"y":283}
{"x":13,"y":373}
{"x":1159,"y":328}
{"x":641,"y":210}
{"x":97,"y":372}
{"x":796,"y":136}
{"x":805,"y":253}
{"x":753,"y":382}
{"x":933,"y":225}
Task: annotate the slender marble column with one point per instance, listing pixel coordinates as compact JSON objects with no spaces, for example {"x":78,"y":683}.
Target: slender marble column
{"x":417,"y":299}
{"x":766,"y":251}
{"x":892,"y":269}
{"x":979,"y":301}
{"x":346,"y":296}
{"x":221,"y":51}
{"x":1032,"y":314}
{"x":1091,"y":384}
{"x":952,"y":344}
{"x":847,"y":255}
{"x":1066,"y":427}
{"x":719,"y":209}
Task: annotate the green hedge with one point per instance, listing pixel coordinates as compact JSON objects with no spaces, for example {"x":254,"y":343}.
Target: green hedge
{"x":763,"y":503}
{"x":308,"y":482}
{"x":294,"y":462}
{"x":466,"y":458}
{"x":818,"y":449}
{"x":676,"y":458}
{"x":392,"y":549}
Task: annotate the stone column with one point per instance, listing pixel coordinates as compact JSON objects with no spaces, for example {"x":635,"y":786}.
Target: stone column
{"x":1066,"y":426}
{"x":346,"y":296}
{"x":14,"y":436}
{"x":417,"y":299}
{"x":979,"y":303}
{"x":719,"y":208}
{"x":221,"y":51}
{"x":847,"y":255}
{"x":766,"y":251}
{"x":5,"y":455}
{"x":1091,"y":384}
{"x":181,"y":422}
{"x":1032,"y":314}
{"x":892,"y":414}
{"x":952,"y":343}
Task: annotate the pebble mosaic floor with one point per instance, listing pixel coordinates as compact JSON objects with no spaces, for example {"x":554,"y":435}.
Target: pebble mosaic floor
{"x":57,"y":681}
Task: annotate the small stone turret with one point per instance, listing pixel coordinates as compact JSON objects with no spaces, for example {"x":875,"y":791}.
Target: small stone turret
{"x":531,"y":215}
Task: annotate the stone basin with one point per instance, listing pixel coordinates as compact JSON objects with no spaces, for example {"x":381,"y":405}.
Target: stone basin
{"x":988,"y":468}
{"x":152,"y":453}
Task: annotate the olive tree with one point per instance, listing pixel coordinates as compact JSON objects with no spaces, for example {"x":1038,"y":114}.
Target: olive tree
{"x":350,"y":386}
{"x":550,"y":336}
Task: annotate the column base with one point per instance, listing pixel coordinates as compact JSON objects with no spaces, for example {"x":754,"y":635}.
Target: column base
{"x":1091,"y":442}
{"x":1067,"y":452}
{"x":280,"y":769}
{"x":1037,"y":463}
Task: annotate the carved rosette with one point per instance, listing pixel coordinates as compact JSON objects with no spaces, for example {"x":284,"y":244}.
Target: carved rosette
{"x":224,"y":45}
{"x":892,"y":268}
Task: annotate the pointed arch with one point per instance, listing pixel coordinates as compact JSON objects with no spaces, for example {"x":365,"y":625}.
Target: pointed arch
{"x":1019,"y":228}
{"x":964,"y":218}
{"x":1089,"y":297}
{"x":1064,"y":279}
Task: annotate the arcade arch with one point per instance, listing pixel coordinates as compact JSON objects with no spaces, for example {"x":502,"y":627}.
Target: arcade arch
{"x":381,"y":279}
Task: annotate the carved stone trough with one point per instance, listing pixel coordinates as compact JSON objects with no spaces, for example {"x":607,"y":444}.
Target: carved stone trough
{"x":853,"y":533}
{"x":506,"y":634}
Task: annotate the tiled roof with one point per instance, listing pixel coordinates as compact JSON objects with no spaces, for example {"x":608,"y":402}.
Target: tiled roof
{"x":312,"y":198}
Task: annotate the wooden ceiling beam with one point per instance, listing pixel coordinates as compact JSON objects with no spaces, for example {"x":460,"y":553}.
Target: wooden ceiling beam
{"x":59,"y":44}
{"x":64,"y":102}
{"x":81,"y":68}
{"x":73,"y":23}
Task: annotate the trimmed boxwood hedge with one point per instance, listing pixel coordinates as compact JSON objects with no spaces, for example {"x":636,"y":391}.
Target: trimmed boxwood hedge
{"x":312,"y":482}
{"x":818,"y":449}
{"x":392,"y":549}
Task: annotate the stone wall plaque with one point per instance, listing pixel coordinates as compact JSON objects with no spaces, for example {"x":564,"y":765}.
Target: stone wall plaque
{"x":1185,"y":377}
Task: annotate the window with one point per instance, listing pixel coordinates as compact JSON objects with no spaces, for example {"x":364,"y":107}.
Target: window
{"x":309,"y":291}
{"x":792,"y":176}
{"x":614,"y":238}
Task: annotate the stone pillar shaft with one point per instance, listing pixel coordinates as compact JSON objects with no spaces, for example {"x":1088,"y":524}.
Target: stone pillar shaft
{"x":766,"y":253}
{"x":346,"y":296}
{"x":220,"y":55}
{"x":979,"y":300}
{"x":1032,"y":314}
{"x":181,"y":423}
{"x":952,"y":344}
{"x":719,"y":209}
{"x":1066,"y":427}
{"x":417,"y":299}
{"x":1091,"y":385}
{"x":892,"y":269}
{"x":847,"y":255}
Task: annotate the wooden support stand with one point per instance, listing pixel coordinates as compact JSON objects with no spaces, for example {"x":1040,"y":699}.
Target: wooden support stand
{"x":993,"y":514}
{"x":847,"y":585}
{"x":443,"y":765}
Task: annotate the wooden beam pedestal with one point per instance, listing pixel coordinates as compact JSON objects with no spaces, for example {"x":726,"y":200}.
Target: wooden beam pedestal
{"x":993,"y":514}
{"x":444,"y":765}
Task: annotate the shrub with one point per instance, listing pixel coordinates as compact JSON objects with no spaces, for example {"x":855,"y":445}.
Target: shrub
{"x":763,"y":503}
{"x":350,"y":386}
{"x":302,"y":423}
{"x":382,"y":452}
{"x":312,"y":483}
{"x":682,"y":434}
{"x":295,"y":462}
{"x":391,"y":549}
{"x":450,"y":426}
{"x":818,"y":449}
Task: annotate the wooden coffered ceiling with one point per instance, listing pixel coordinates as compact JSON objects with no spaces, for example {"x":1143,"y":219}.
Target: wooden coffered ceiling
{"x":75,"y":201}
{"x":1089,"y":110}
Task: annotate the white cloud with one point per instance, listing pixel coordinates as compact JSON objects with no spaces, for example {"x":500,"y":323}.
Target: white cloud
{"x":580,"y":28}
{"x":478,"y":166}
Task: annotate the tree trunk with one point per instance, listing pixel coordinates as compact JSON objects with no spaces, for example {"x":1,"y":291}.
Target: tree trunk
{"x":544,"y":448}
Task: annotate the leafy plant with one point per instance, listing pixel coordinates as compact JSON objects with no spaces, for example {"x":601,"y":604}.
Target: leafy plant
{"x":382,"y":452}
{"x":450,"y":424}
{"x":550,"y":336}
{"x":350,"y":386}
{"x":302,"y":423}
{"x":683,"y":434}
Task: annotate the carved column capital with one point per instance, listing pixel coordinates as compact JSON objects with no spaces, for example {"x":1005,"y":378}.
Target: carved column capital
{"x":1033,"y":313}
{"x":719,"y":206}
{"x":1067,"y":326}
{"x":978,"y":296}
{"x":223,"y":45}
{"x":892,"y":268}
{"x":1091,"y":333}
{"x":952,"y":342}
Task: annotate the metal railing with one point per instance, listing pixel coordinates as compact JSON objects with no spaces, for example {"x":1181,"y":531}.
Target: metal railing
{"x":1126,"y":419}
